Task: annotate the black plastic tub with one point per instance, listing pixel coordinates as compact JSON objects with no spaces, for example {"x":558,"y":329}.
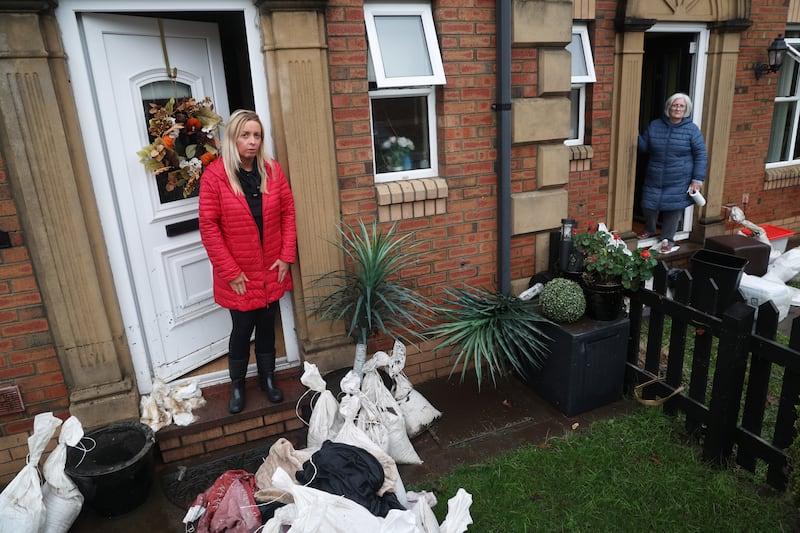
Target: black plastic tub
{"x":726,"y":271}
{"x":115,"y":476}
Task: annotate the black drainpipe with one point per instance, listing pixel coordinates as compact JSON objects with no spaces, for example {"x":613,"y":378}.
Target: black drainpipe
{"x":503,"y":109}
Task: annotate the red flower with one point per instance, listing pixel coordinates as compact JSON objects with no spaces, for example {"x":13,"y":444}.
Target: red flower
{"x":645,"y":254}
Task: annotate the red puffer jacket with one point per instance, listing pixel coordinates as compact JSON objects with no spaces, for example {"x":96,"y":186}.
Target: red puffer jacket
{"x":230,"y":236}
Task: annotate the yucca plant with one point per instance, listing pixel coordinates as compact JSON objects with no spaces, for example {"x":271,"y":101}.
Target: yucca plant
{"x":490,"y":329}
{"x":368,"y":294}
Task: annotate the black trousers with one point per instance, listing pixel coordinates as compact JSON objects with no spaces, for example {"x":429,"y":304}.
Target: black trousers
{"x":263,"y":321}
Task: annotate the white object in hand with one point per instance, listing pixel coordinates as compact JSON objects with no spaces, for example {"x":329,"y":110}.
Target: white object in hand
{"x":697,"y":197}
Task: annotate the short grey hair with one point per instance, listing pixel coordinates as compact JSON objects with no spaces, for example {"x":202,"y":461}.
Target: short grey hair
{"x":678,"y":96}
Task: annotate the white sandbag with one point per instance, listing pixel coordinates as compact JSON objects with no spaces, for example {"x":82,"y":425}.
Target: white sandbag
{"x":22,"y":508}
{"x":784,"y":267}
{"x":61,"y":497}
{"x":325,"y":421}
{"x":418,"y":413}
{"x":756,"y":290}
{"x":383,"y":417}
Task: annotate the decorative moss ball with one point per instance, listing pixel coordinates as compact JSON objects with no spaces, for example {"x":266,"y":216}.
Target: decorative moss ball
{"x":562,"y":300}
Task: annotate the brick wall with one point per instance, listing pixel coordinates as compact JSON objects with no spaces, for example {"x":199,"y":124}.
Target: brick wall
{"x":27,"y":354}
{"x":588,"y":184}
{"x":752,"y":121}
{"x":461,"y":245}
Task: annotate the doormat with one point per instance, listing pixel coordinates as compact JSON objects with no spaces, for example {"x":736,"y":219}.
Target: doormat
{"x":182,"y":486}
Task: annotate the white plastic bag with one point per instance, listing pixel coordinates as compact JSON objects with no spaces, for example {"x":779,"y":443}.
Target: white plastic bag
{"x":61,"y":497}
{"x":22,"y":509}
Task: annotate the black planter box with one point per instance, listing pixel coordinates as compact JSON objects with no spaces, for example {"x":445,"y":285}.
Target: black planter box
{"x":586,"y":366}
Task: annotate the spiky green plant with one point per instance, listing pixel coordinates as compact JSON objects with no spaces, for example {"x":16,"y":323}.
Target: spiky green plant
{"x":369,"y":295}
{"x":490,"y":329}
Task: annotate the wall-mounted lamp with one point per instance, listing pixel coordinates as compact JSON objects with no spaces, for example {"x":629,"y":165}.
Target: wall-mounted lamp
{"x":775,"y":54}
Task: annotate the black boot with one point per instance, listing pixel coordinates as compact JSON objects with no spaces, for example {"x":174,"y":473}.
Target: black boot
{"x":238,"y":372}
{"x":266,"y":376}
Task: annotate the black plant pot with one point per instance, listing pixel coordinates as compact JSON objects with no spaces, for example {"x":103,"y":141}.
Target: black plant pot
{"x":603,"y":302}
{"x":116,"y":474}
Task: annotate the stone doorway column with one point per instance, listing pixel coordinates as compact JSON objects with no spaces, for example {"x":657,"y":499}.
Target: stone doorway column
{"x":51,"y":187}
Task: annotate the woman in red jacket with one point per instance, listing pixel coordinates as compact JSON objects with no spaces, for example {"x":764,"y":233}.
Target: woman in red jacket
{"x":247,"y":223}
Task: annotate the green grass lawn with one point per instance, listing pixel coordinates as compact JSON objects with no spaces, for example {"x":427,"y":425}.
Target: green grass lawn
{"x":638,"y":472}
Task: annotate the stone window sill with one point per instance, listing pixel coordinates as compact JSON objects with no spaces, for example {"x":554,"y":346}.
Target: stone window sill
{"x":782,"y":177}
{"x":400,"y":200}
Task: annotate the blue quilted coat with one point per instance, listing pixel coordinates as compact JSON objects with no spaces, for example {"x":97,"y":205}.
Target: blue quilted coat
{"x":677,"y":157}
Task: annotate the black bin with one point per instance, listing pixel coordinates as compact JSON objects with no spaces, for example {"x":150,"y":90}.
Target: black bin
{"x":726,"y":271}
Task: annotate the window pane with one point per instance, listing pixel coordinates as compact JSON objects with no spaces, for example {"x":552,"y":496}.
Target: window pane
{"x":403,"y":48}
{"x":574,"y":112}
{"x":578,"y":59}
{"x":400,"y":133}
{"x":781,"y":136}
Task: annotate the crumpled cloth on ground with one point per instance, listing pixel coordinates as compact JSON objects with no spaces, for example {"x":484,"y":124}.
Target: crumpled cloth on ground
{"x":227,"y":506}
{"x":348,"y":471}
{"x":281,"y":455}
{"x":171,"y":403}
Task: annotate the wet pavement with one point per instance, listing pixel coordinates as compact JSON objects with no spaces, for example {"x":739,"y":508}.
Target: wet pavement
{"x":475,"y":426}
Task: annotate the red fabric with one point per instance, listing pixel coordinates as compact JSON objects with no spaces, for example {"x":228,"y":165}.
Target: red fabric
{"x":230,"y":505}
{"x":230,"y":236}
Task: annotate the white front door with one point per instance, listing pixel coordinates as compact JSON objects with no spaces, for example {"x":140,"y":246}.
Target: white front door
{"x":179,"y":323}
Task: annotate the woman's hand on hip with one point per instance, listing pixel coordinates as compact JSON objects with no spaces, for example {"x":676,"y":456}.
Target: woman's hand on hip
{"x":238,"y":284}
{"x":283,"y":269}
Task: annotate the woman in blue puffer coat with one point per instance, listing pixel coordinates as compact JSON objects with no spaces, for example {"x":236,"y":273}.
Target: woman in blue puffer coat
{"x":677,"y":166}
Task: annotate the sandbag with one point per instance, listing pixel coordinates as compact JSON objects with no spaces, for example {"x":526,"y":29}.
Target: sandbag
{"x":22,"y":507}
{"x":381,"y":411}
{"x":61,"y":496}
{"x":418,"y":413}
{"x":325,"y":420}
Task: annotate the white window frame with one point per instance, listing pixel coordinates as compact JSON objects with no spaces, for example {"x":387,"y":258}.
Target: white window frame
{"x":422,"y":10}
{"x":579,"y":82}
{"x":792,"y":54}
{"x":431,"y":172}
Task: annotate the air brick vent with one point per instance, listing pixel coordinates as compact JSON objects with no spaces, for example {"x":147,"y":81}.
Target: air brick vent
{"x":10,"y":400}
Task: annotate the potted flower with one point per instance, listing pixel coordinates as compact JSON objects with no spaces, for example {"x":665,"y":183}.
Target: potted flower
{"x":396,"y":152}
{"x":609,"y":266}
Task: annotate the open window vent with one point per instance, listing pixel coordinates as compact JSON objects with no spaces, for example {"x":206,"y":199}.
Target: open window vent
{"x":10,"y":400}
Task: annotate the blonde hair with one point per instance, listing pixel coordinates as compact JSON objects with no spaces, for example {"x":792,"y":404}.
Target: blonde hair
{"x":230,"y":153}
{"x":678,"y":96}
